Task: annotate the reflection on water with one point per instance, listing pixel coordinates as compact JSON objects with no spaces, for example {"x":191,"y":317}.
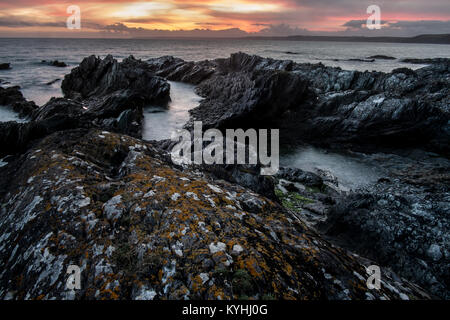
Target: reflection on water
{"x":351,"y":171}
{"x":159,"y":123}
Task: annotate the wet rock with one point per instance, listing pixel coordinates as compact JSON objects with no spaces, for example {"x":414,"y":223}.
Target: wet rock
{"x":203,"y":247}
{"x":13,"y":98}
{"x":95,"y":77}
{"x":314,"y":103}
{"x":402,"y":223}
{"x":5,"y":66}
{"x":426,"y":61}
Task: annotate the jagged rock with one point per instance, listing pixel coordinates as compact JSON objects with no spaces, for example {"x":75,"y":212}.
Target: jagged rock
{"x":246,"y":100}
{"x":314,"y":103}
{"x":12,"y":97}
{"x":95,"y":77}
{"x":176,"y":69}
{"x":402,"y":222}
{"x":361,"y":60}
{"x":297,"y":175}
{"x":140,"y":228}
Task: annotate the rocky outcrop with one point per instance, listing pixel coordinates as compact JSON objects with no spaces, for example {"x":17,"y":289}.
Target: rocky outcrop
{"x":13,"y":98}
{"x":95,"y":78}
{"x":55,"y":63}
{"x":99,"y":93}
{"x":5,"y":66}
{"x":140,"y":228}
{"x":402,"y":222}
{"x":321,"y":104}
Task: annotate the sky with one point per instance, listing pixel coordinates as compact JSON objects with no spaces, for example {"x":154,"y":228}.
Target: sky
{"x":221,"y":18}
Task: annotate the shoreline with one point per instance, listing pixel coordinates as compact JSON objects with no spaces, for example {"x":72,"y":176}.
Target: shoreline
{"x":101,"y":118}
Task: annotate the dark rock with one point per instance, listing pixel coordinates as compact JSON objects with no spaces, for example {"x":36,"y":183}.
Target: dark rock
{"x":314,"y":103}
{"x":247,"y":99}
{"x":297,"y":175}
{"x":381,"y":57}
{"x":5,"y":66}
{"x":361,"y":60}
{"x":427,"y":61}
{"x":52,"y":82}
{"x":402,"y":222}
{"x":96,"y":78}
{"x":55,"y":63}
{"x":13,"y":98}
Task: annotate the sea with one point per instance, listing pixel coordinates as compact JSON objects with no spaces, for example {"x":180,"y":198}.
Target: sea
{"x":33,"y":76}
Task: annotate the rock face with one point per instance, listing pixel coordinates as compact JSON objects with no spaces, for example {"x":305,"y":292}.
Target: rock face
{"x":322,"y":104}
{"x":97,"y":78}
{"x":99,"y":93}
{"x":82,"y":189}
{"x":403,"y":223}
{"x":140,"y":228}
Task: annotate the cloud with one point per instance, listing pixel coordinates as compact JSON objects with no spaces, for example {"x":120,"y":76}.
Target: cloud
{"x":401,"y":28}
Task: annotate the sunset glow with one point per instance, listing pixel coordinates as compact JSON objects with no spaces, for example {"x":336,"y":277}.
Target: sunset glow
{"x":122,"y":18}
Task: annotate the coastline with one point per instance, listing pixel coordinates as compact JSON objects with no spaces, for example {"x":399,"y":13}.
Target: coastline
{"x":96,"y":130}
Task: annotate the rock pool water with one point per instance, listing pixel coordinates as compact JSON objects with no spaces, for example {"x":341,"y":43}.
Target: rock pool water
{"x":159,"y":123}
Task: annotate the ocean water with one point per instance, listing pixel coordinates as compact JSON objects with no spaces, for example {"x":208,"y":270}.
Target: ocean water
{"x":25,"y":56}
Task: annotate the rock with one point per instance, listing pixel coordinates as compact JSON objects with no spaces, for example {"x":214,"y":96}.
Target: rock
{"x":402,"y":223}
{"x":247,"y":99}
{"x":381,"y":57}
{"x":176,"y":69}
{"x":13,"y":98}
{"x":77,"y":199}
{"x":55,"y":63}
{"x":52,"y":82}
{"x":5,"y":66}
{"x":361,"y":60}
{"x":426,"y":61}
{"x":97,"y":78}
{"x":318,"y":104}
{"x":297,"y":175}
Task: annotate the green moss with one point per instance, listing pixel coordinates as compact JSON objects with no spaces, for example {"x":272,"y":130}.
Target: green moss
{"x":268,"y":296}
{"x":292,"y":200}
{"x":242,"y":283}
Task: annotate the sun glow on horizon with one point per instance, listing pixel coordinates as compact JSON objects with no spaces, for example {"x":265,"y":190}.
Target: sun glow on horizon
{"x":240,"y":16}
